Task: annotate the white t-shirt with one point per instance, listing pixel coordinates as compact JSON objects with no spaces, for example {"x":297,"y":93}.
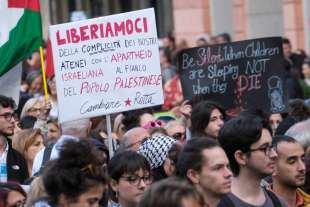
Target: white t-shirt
{"x":54,"y":154}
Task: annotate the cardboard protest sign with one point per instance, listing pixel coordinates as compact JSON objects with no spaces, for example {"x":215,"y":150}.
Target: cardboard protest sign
{"x":238,"y":75}
{"x":106,"y":65}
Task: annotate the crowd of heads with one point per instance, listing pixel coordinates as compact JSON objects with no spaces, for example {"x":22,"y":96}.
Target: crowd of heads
{"x":194,"y":155}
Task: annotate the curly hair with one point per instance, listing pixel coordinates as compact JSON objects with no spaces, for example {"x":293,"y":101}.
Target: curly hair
{"x":78,"y":169}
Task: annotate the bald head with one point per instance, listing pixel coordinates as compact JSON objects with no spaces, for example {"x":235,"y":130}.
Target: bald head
{"x":133,"y":138}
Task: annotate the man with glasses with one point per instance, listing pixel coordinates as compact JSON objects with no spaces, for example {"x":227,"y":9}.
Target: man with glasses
{"x":133,"y":138}
{"x":12,"y":164}
{"x":248,"y":145}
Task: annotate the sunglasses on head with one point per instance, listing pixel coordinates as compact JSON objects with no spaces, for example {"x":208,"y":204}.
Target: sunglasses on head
{"x":152,"y":124}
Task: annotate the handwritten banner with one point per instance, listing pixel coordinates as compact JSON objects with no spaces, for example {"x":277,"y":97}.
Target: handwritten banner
{"x":238,"y":75}
{"x":106,"y":65}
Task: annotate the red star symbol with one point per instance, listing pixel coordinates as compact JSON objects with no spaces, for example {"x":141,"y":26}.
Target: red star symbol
{"x":128,"y":102}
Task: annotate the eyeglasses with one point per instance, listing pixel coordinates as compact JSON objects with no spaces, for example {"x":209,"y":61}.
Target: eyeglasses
{"x":153,"y":124}
{"x":138,"y":142}
{"x":136,"y":180}
{"x":20,"y":203}
{"x":179,"y":136}
{"x":8,"y":116}
{"x":266,"y":149}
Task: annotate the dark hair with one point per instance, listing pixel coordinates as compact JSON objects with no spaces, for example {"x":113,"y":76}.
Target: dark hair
{"x":127,"y":162}
{"x":159,"y":173}
{"x":239,"y":134}
{"x":132,"y":118}
{"x":174,"y":152}
{"x":282,"y":138}
{"x":6,"y":188}
{"x":298,"y":109}
{"x":191,"y":155}
{"x":225,"y":36}
{"x":78,"y":169}
{"x":260,"y":115}
{"x":170,"y":193}
{"x":201,"y":116}
{"x":285,"y":40}
{"x":6,"y":102}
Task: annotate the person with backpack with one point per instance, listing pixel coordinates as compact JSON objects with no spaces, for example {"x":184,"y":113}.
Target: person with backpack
{"x":248,"y":145}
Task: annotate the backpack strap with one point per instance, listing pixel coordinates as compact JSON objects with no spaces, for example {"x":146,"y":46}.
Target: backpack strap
{"x":226,"y":202}
{"x":274,"y":198}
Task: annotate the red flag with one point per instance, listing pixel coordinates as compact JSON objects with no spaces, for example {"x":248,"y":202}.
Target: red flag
{"x":49,"y":71}
{"x":28,"y":4}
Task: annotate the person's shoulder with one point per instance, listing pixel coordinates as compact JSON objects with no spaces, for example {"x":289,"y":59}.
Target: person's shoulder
{"x":282,"y":201}
{"x":227,"y":200}
{"x":13,"y":152}
{"x":276,"y":200}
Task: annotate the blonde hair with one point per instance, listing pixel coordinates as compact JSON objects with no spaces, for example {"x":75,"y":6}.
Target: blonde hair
{"x":118,"y":122}
{"x":24,"y":139}
{"x":36,"y":191}
{"x":28,"y":105}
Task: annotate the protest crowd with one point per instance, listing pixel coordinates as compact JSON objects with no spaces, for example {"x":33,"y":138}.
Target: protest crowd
{"x":183,"y":153}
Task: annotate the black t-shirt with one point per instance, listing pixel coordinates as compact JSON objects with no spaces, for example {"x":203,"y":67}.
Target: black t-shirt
{"x":240,"y":203}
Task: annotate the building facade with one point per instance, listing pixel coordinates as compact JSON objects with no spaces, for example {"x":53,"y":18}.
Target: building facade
{"x":242,"y":19}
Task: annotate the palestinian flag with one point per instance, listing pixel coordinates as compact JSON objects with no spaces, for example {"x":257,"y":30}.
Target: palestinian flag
{"x":20,"y":31}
